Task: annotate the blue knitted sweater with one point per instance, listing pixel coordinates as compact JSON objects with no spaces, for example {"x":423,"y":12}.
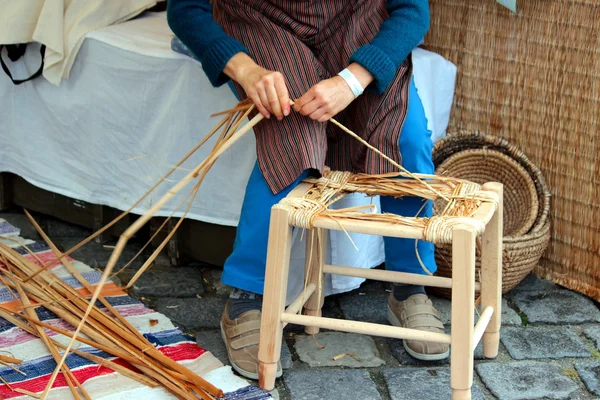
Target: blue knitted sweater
{"x":193,"y":24}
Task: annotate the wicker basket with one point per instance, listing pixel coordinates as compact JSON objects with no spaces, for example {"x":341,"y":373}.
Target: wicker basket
{"x":521,"y":201}
{"x":480,"y":157}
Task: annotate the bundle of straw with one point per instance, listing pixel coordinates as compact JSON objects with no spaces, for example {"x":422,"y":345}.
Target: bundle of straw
{"x":110,"y":333}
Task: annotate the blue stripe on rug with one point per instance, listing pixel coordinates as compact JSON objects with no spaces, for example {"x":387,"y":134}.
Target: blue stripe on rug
{"x":248,"y":393}
{"x":8,"y":229}
{"x":34,"y":247}
{"x":169,"y":337}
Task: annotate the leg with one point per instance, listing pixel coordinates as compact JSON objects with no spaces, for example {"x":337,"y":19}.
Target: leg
{"x":463,"y":304}
{"x":316,"y":247}
{"x":245,"y":271}
{"x":415,"y":148}
{"x":491,"y":275}
{"x":408,"y":305}
{"x":271,"y":328}
{"x":245,"y":267}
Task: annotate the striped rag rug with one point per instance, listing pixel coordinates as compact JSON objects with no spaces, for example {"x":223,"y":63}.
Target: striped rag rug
{"x":101,"y":382}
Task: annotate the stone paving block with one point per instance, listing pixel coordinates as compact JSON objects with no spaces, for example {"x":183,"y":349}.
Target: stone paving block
{"x":557,"y":307}
{"x":215,"y":279}
{"x":526,"y":380}
{"x":589,"y":372}
{"x":286,"y":357}
{"x":170,"y":282}
{"x":365,"y":308}
{"x":543,"y":342}
{"x":361,"y":346}
{"x":331,"y":384}
{"x":535,"y":283}
{"x":211,"y":340}
{"x":422,"y":383}
{"x":593,"y":333}
{"x":193,"y":313}
{"x":509,"y":316}
{"x":96,"y":255}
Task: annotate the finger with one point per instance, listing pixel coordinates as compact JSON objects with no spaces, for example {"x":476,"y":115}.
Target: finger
{"x":304,"y":99}
{"x":256,"y":100}
{"x":263,"y":98}
{"x":274,"y":101}
{"x":325,"y":117}
{"x":282,"y":93}
{"x":311,"y":107}
{"x":318,"y":113}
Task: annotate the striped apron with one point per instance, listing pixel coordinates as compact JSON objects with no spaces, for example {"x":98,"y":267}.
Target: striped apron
{"x":308,"y":41}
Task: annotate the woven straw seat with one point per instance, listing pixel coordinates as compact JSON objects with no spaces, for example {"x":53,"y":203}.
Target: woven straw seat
{"x":470,"y":211}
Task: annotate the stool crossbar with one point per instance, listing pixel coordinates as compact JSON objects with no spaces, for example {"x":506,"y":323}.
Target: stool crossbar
{"x":471,"y":211}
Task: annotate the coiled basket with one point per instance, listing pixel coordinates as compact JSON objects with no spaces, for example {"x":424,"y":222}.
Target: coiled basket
{"x":481,"y":158}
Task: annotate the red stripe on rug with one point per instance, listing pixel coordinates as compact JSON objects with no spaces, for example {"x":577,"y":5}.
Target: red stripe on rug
{"x":180,"y":352}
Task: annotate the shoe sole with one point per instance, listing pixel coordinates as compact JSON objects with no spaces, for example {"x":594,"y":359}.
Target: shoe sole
{"x":392,"y":319}
{"x":239,"y":370}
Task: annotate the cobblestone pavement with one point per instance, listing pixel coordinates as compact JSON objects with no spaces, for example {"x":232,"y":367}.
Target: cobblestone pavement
{"x":549,"y":349}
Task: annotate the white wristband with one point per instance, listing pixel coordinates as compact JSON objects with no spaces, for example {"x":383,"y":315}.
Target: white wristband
{"x":351,"y":80}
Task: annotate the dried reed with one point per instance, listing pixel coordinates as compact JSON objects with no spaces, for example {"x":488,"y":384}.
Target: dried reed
{"x":109,"y":333}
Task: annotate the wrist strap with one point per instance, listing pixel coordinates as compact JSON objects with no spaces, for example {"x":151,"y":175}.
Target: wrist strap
{"x":351,"y":80}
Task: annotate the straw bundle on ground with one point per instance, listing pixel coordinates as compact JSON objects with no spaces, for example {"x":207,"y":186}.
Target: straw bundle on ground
{"x":107,"y":331}
{"x":534,"y":78}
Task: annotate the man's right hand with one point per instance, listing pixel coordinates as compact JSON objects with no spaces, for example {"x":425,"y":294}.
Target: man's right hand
{"x":266,"y":88}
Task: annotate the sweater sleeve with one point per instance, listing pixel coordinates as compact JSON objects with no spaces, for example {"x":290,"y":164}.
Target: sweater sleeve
{"x":398,"y":36}
{"x":192,"y":22}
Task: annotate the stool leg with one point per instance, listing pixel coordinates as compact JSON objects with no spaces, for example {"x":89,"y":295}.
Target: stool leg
{"x":463,"y":306}
{"x":491,"y":274}
{"x":274,"y":296}
{"x":316,"y":250}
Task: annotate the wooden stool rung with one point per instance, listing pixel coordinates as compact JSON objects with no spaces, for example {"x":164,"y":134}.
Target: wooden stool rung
{"x":366,"y":328}
{"x":296,"y":305}
{"x":481,"y":325}
{"x":391,"y":276}
{"x":379,"y":228}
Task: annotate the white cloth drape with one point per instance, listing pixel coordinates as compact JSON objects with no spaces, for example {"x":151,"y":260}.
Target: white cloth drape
{"x":61,"y":25}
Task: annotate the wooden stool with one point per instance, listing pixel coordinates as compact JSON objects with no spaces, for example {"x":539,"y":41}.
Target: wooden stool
{"x":471,"y":211}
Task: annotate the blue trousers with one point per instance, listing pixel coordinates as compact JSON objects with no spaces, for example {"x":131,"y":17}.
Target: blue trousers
{"x":245,"y":267}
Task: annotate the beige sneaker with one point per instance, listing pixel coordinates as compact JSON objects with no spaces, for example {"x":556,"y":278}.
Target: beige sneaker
{"x":417,"y":312}
{"x":241,"y":340}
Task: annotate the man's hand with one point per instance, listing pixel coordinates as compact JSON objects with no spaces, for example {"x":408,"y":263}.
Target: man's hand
{"x":266,"y":88}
